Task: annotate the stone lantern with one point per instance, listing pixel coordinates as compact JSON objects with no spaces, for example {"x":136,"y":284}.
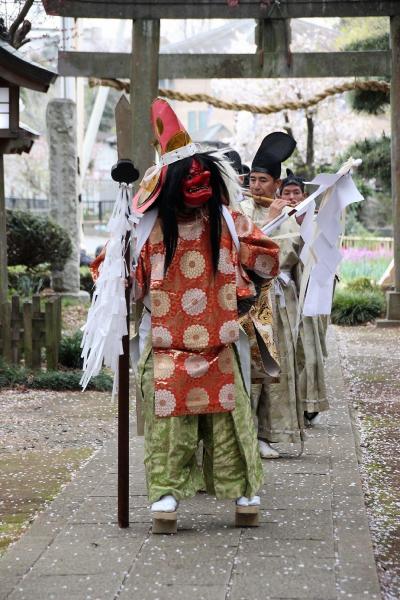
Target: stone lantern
{"x":9,"y":113}
{"x":16,"y":71}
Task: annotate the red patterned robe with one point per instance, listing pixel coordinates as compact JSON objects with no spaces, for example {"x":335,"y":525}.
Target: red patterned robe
{"x":194,"y":319}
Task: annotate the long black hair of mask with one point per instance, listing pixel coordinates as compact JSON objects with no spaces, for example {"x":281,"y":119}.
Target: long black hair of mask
{"x":171,"y":202}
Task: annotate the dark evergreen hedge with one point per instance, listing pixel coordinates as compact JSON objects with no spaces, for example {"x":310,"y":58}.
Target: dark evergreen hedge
{"x":11,"y":376}
{"x":375,"y":154}
{"x":33,"y":241}
{"x":355,"y":306}
{"x":369,"y":101}
{"x":70,"y":351}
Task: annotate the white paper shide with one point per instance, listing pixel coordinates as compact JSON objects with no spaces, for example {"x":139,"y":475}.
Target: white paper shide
{"x":321,"y":235}
{"x":106,"y":322}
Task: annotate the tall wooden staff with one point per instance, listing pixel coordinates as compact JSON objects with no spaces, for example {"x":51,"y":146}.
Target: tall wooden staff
{"x":125,"y":172}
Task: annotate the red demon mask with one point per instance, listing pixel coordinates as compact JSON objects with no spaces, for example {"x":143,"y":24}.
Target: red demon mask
{"x":196,"y":187}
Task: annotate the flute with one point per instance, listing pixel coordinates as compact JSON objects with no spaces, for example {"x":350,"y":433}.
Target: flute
{"x":263,"y":200}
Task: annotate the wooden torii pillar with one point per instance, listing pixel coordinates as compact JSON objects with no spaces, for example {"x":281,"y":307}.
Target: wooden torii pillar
{"x":144,"y":88}
{"x":393,"y":297}
{"x":135,"y":142}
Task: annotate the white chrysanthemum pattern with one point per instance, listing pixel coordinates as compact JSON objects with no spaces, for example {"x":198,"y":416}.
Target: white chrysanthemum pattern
{"x":245,"y":254}
{"x":264,"y":264}
{"x":162,"y":337}
{"x":165,"y":403}
{"x":157,"y":266}
{"x":160,"y":303}
{"x":244,"y":226}
{"x":229,"y":332}
{"x":194,"y":301}
{"x":192,"y":264}
{"x":225,"y":264}
{"x":227,"y":396}
{"x":195,"y":337}
{"x":197,"y":400}
{"x":164,"y":366}
{"x":191,"y":231}
{"x":156,"y":235}
{"x":196,"y":366}
{"x":227,"y":297}
{"x":225,"y":364}
{"x":240,"y":281}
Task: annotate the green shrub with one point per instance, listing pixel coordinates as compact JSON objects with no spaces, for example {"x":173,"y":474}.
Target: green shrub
{"x":70,"y":351}
{"x":361,"y":284}
{"x":10,"y":375}
{"x":352,"y":223}
{"x":33,"y":240}
{"x":353,"y":307}
{"x":375,"y":154}
{"x":69,"y":380}
{"x":26,"y":282}
{"x":86,"y":281}
{"x":51,"y":380}
{"x":369,"y":101}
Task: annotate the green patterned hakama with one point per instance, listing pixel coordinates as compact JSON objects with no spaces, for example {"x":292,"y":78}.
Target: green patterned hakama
{"x":231,"y":466}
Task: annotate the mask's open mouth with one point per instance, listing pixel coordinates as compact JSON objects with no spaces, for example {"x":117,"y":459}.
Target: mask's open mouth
{"x":198,"y":188}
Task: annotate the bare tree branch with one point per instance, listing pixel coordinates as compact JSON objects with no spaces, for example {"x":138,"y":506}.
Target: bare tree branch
{"x":26,"y":41}
{"x":19,"y":19}
{"x":21,"y":33}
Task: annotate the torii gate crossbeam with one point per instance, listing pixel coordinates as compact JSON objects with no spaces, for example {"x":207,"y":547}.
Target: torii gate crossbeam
{"x":220,"y":9}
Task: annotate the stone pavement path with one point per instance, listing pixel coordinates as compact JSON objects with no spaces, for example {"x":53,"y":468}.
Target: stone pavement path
{"x":313,"y":541}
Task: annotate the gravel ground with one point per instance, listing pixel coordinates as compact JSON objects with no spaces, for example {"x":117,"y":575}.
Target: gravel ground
{"x":370,"y":362}
{"x":73,"y":317}
{"x":45,"y":437}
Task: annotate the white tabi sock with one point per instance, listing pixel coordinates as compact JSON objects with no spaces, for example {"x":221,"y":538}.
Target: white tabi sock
{"x":165,"y":504}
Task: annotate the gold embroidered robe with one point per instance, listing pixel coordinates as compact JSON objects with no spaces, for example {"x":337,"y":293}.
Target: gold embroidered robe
{"x":194,"y":318}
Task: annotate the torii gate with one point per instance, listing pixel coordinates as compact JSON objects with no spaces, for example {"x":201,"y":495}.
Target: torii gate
{"x":272,"y":59}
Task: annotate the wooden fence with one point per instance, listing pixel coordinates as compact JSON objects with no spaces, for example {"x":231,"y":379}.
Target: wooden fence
{"x":371,"y":243}
{"x":29,"y":327}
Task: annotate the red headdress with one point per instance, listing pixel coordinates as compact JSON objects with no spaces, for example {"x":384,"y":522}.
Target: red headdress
{"x":173,"y":144}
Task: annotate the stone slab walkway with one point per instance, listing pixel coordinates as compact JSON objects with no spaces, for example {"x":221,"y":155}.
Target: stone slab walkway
{"x":313,"y":542}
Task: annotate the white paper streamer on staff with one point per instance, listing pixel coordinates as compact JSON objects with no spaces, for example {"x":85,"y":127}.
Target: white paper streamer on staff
{"x":321,"y":236}
{"x":106,"y":321}
{"x":301,"y":208}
